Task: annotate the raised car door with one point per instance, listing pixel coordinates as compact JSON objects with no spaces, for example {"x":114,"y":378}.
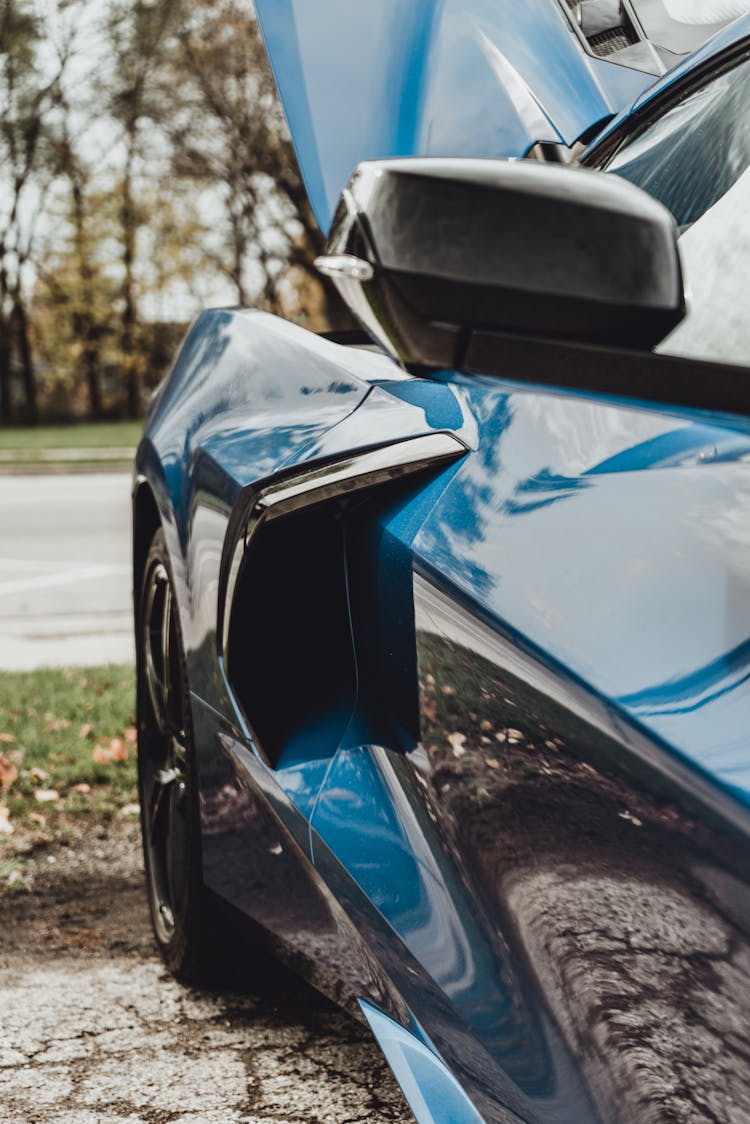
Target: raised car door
{"x":486,"y":78}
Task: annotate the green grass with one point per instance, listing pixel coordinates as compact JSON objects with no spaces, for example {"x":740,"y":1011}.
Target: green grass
{"x":91,"y":435}
{"x":51,"y":723}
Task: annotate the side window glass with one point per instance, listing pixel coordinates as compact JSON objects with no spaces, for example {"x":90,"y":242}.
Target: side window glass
{"x":692,"y":155}
{"x":695,"y":160}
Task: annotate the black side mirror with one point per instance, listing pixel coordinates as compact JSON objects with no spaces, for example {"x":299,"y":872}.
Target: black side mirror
{"x":426,"y":252}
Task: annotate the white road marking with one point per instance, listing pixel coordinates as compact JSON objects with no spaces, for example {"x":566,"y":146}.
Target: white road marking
{"x":61,"y":577}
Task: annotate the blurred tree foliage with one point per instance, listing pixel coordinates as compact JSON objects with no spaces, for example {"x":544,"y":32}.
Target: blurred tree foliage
{"x":145,"y":171}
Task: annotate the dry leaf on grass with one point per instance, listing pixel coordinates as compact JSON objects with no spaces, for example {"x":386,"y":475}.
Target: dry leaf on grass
{"x":37,"y":817}
{"x":83,"y":789}
{"x":118,"y":751}
{"x":54,"y":725}
{"x":86,"y":730}
{"x":46,"y":795}
{"x":6,"y":827}
{"x":131,"y":735}
{"x":38,"y":774}
{"x":8,"y":773}
{"x":130,"y":810}
{"x":457,"y":742}
{"x":6,"y":739}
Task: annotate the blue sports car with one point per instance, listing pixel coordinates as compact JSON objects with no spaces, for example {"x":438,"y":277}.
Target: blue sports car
{"x":443,"y":627}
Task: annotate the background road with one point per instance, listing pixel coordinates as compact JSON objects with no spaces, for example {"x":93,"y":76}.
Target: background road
{"x":65,"y":570}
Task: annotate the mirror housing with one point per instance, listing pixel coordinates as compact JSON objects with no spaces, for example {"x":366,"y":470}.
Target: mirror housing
{"x":426,"y":251}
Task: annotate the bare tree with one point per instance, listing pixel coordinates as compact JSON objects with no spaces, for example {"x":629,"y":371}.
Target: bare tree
{"x":228,"y":130}
{"x":137,"y":32}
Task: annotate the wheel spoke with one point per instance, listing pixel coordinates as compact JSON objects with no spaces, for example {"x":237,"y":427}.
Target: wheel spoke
{"x":159,"y":645}
{"x":179,"y":748}
{"x":166,"y":641}
{"x":159,"y":796}
{"x":175,"y":849}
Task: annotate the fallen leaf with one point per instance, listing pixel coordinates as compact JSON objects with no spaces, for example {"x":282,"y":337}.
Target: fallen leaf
{"x":456,"y":741}
{"x":130,"y":810}
{"x":118,"y":751}
{"x":38,"y":774}
{"x":100,"y":755}
{"x":131,"y":735}
{"x":8,"y":773}
{"x":7,"y":738}
{"x":447,"y":690}
{"x":84,"y":789}
{"x":46,"y":795}
{"x":55,"y":725}
{"x":86,"y":730}
{"x":630,"y":818}
{"x":6,"y":827}
{"x":501,"y":737}
{"x":493,"y":763}
{"x":485,"y":724}
{"x":514,"y":735}
{"x":37,"y":817}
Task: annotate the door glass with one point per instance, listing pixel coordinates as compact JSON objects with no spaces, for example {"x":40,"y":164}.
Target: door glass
{"x":694,"y":159}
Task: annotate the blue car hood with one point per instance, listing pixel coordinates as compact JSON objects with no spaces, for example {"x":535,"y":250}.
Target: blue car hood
{"x":363,"y":79}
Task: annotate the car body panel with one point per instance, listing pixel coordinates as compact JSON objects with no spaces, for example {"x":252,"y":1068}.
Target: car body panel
{"x":457,"y":78}
{"x":520,"y":850}
{"x":566,"y":607}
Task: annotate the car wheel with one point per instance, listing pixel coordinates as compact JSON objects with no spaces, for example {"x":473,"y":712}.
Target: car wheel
{"x":167,"y":786}
{"x":198,"y":936}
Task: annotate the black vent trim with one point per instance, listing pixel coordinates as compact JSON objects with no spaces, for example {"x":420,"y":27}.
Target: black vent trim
{"x":608,"y":42}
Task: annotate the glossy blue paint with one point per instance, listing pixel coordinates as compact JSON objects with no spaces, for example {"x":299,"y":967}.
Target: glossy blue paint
{"x":664,"y":569}
{"x":486,"y":78}
{"x":560,"y":502}
{"x":433,"y":1094}
{"x":396,"y":857}
{"x":520,"y":846}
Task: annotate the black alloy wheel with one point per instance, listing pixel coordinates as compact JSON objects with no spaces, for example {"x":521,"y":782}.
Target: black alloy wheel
{"x":167,"y":787}
{"x":202,"y":939}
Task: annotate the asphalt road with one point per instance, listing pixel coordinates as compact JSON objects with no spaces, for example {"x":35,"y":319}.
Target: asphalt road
{"x":94,"y":1031}
{"x":65,"y":570}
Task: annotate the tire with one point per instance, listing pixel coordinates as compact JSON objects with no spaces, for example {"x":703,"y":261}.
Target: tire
{"x":196,"y":937}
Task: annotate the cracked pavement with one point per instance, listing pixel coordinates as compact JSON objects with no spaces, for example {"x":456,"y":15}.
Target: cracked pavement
{"x":93,"y":1028}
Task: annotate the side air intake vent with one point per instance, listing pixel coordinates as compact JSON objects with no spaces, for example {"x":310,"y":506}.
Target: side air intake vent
{"x":607,"y":28}
{"x":286,"y":624}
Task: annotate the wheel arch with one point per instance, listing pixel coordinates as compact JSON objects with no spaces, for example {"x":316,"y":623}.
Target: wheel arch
{"x":146,"y":522}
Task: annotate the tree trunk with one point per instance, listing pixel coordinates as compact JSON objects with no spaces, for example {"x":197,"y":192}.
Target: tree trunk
{"x":84,"y":320}
{"x":6,"y":349}
{"x":6,"y":398}
{"x":128,"y":324}
{"x":28,"y":375}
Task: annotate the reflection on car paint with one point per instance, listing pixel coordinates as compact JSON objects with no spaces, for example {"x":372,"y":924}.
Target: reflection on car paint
{"x":661,"y":507}
{"x":630,"y":912}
